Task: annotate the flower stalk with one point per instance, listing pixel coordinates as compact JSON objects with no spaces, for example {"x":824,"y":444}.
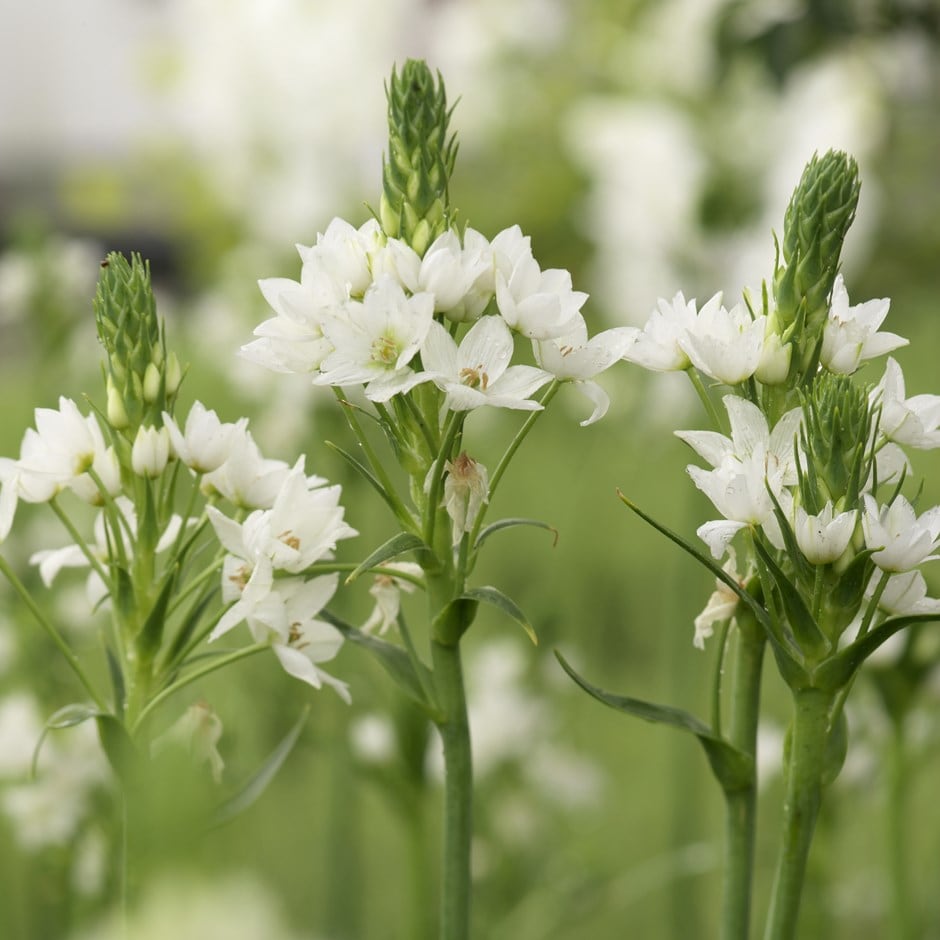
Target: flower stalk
{"x":741,"y":803}
{"x":805,"y":770}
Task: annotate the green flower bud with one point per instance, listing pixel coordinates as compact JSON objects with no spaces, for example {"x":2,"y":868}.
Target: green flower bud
{"x":415,"y":176}
{"x":817,"y":219}
{"x":117,"y":414}
{"x":837,"y":425}
{"x":151,"y":383}
{"x":132,"y":334}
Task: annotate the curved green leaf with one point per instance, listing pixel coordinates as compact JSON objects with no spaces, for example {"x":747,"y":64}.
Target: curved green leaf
{"x":836,"y":671}
{"x":393,"y":659}
{"x":66,"y":717}
{"x":509,"y":523}
{"x":395,"y":546}
{"x":790,"y":667}
{"x":258,"y":782}
{"x":366,"y":472}
{"x":496,"y":598}
{"x":734,"y":769}
{"x":811,"y":640}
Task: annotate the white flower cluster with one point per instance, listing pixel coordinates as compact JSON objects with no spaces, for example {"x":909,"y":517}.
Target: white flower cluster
{"x":294,"y":520}
{"x":300,"y":527}
{"x":369,"y":311}
{"x":731,"y":346}
{"x":752,"y":477}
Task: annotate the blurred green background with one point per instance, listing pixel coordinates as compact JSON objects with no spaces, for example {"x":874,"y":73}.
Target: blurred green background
{"x":646,"y":146}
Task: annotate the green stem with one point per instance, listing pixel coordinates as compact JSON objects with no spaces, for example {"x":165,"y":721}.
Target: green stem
{"x":458,"y":793}
{"x":901,"y":920}
{"x":54,"y":634}
{"x":809,"y":736}
{"x":741,"y":804}
{"x":703,"y":395}
{"x":93,"y":562}
{"x":375,"y":465}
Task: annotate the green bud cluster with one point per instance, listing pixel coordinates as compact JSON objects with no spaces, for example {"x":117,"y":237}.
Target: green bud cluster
{"x":836,"y":440}
{"x":817,"y":219}
{"x":142,"y":380}
{"x":417,"y":170}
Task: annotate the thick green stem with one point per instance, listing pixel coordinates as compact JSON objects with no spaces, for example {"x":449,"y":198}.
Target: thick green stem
{"x":809,"y":735}
{"x":458,"y":793}
{"x":741,"y":804}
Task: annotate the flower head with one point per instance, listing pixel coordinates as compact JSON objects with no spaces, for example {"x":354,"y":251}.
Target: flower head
{"x":902,"y":540}
{"x":725,"y":344}
{"x":477,"y":372}
{"x":539,"y":304}
{"x":913,"y":421}
{"x":374,"y":342}
{"x":851,"y":333}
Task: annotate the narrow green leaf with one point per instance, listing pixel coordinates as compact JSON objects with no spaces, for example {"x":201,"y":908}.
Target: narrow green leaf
{"x":395,"y":546}
{"x":393,"y":659}
{"x":733,"y":768}
{"x":759,"y":613}
{"x":251,"y":790}
{"x":836,"y":671}
{"x":117,"y":680}
{"x":495,"y":597}
{"x":66,"y":717}
{"x":508,"y":523}
{"x":811,"y":640}
{"x":151,"y":633}
{"x":790,"y":668}
{"x":366,"y":473}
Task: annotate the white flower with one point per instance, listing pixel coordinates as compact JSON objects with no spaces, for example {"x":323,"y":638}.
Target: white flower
{"x":851,"y":333}
{"x":198,"y":730}
{"x":657,"y":345}
{"x":309,"y":641}
{"x":293,"y":341}
{"x":478,"y":372}
{"x":386,"y":589}
{"x":745,"y":465}
{"x":248,"y":479}
{"x":912,"y":421}
{"x":451,"y":271}
{"x":539,"y":304}
{"x":902,"y":539}
{"x":343,"y":252}
{"x":904,"y":594}
{"x":206,"y":442}
{"x":774,"y":365}
{"x":304,"y":524}
{"x":466,"y":491}
{"x":823,"y":538}
{"x":720,"y":606}
{"x":51,"y":561}
{"x":726,"y":345}
{"x":57,"y":453}
{"x":575,"y":358}
{"x":150,"y":452}
{"x":376,"y":340}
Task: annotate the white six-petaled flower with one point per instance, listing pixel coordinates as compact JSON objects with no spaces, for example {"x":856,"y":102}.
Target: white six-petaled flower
{"x":376,"y":339}
{"x":823,"y":537}
{"x":478,"y":372}
{"x":575,"y":358}
{"x":912,"y":421}
{"x":851,"y":334}
{"x":902,"y":540}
